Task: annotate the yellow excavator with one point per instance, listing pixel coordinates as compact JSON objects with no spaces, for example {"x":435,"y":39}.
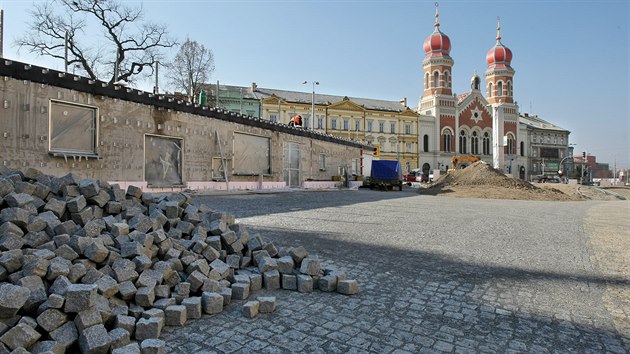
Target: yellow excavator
{"x":456,"y":160}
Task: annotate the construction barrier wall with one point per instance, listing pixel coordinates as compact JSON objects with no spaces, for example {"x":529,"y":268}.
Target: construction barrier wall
{"x":61,"y":123}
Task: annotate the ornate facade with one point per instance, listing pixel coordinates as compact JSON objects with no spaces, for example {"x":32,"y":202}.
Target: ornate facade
{"x":463,"y":124}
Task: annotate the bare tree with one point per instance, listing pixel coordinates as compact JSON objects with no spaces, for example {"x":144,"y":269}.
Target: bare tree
{"x":191,"y":68}
{"x":128,"y":46}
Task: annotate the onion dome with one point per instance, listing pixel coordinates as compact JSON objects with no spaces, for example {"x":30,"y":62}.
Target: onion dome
{"x":437,"y":44}
{"x":499,"y":55}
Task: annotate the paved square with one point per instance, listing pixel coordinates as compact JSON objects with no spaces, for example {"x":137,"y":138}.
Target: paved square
{"x":435,"y":274}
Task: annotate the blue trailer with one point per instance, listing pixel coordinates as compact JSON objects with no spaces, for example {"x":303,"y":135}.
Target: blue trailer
{"x":385,"y":175}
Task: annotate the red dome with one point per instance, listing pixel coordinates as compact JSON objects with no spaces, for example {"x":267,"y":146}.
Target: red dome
{"x":437,"y":44}
{"x":499,"y":55}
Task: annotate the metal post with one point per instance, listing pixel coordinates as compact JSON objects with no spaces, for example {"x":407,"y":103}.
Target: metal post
{"x":156,"y":89}
{"x":313,"y":108}
{"x":217,"y":98}
{"x":312,"y":120}
{"x":66,"y":54}
{"x":1,"y":32}
{"x":115,"y":68}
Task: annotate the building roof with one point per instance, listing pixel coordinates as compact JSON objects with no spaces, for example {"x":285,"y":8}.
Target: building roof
{"x":305,"y":97}
{"x":536,"y":122}
{"x":462,"y":97}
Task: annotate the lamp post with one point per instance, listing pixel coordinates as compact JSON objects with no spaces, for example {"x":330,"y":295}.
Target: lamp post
{"x":312,"y":125}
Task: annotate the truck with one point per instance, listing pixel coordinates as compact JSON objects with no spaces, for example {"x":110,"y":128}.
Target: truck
{"x":384,"y":175}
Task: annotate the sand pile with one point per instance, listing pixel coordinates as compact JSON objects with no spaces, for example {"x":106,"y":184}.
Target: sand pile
{"x":481,"y":180}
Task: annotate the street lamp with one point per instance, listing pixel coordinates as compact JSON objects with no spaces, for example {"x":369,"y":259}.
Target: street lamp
{"x":312,"y":124}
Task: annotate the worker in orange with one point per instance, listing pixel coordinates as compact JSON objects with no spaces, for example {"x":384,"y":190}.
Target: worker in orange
{"x":296,"y":121}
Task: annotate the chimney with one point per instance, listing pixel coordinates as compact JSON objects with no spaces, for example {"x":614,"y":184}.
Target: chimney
{"x":403,"y":102}
{"x":254,"y":86}
{"x":526,"y":114}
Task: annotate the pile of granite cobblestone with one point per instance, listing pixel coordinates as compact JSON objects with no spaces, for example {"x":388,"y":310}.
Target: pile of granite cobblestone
{"x":87,"y":266}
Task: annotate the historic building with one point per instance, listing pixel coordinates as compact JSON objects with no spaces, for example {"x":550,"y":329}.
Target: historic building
{"x":459,"y":125}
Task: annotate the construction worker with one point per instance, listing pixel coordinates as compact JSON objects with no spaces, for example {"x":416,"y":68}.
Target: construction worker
{"x":296,"y":121}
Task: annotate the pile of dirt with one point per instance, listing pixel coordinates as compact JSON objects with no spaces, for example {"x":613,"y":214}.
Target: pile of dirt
{"x":481,"y":180}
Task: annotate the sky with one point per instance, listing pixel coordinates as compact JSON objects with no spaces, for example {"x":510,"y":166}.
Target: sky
{"x":571,"y":57}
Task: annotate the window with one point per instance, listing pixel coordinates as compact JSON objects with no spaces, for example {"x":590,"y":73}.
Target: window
{"x":446,"y":79}
{"x":407,"y":128}
{"x":355,"y":167}
{"x":369,"y":126}
{"x":486,"y":143}
{"x":322,"y":162}
{"x":408,"y":147}
{"x":407,"y":167}
{"x":333,"y":123}
{"x":474,"y":144}
{"x":381,"y":127}
{"x":462,"y":142}
{"x":320,"y":122}
{"x":510,"y":144}
{"x":522,"y":148}
{"x":426,"y":81}
{"x":357,"y":125}
{"x":73,"y":128}
{"x":425,"y":143}
{"x":500,"y":88}
{"x":446,"y":139}
{"x":436,"y":78}
{"x":509,"y":89}
{"x":393,"y":127}
{"x":490,"y":89}
{"x":306,"y":120}
{"x":346,"y":124}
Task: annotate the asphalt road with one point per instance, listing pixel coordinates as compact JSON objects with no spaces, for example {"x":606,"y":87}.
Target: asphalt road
{"x":437,"y":274}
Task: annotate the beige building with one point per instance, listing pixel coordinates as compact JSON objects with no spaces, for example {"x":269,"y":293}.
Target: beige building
{"x":389,"y":124}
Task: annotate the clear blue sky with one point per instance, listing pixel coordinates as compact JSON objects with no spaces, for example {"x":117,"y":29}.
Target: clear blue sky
{"x":571,"y":57}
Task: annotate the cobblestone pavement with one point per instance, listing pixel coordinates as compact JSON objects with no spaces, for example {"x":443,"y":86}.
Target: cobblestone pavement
{"x":436,"y":274}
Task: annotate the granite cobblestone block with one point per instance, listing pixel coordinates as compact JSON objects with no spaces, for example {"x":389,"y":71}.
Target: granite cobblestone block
{"x":79,"y":257}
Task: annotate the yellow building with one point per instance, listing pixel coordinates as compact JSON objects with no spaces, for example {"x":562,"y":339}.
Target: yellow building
{"x":389,"y":124}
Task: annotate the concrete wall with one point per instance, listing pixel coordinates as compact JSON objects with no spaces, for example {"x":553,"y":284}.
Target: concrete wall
{"x":126,"y":117}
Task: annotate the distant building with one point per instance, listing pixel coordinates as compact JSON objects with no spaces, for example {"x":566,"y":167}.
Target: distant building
{"x":546,"y":147}
{"x":239,"y":99}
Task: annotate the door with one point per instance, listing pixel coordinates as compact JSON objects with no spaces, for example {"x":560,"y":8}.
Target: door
{"x":291,"y":165}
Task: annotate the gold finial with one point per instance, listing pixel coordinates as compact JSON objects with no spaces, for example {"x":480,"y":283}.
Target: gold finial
{"x":498,"y":28}
{"x":437,"y":15}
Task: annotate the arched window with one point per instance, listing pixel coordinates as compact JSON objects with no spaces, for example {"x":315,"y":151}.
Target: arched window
{"x":500,"y":88}
{"x":446,"y":79}
{"x":425,"y":143}
{"x":436,"y":79}
{"x":510,"y":144}
{"x":462,"y":142}
{"x":426,"y":81}
{"x":486,"y":143}
{"x":490,"y":89}
{"x":446,"y":140}
{"x":522,"y":148}
{"x":474,"y":144}
{"x":508,"y":92}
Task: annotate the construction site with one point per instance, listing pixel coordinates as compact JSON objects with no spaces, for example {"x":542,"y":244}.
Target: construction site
{"x":480,"y":180}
